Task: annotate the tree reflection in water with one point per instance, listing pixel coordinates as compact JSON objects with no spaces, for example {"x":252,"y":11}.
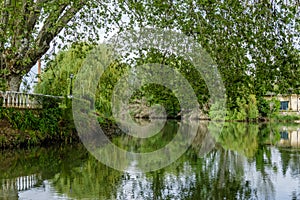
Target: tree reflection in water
{"x":233,"y":164}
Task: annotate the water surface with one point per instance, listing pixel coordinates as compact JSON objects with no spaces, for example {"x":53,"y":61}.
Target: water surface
{"x":245,"y":161}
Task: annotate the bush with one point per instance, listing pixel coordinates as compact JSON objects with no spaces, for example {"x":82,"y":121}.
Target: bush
{"x":240,"y":113}
{"x":216,"y":112}
{"x":263,"y":107}
{"x":243,"y":110}
{"x":48,"y":122}
{"x":253,"y":113}
{"x":268,"y":108}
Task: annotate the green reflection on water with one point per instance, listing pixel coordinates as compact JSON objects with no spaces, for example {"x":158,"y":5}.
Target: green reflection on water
{"x":216,"y":166}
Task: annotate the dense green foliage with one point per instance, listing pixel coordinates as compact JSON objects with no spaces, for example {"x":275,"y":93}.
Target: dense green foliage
{"x":56,"y":77}
{"x":32,"y":127}
{"x":254,"y":43}
{"x":268,"y":108}
{"x":246,"y":110}
{"x":56,"y":81}
{"x":158,"y":94}
{"x":252,"y":108}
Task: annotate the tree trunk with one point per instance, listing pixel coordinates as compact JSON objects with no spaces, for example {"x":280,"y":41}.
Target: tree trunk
{"x":14,"y":82}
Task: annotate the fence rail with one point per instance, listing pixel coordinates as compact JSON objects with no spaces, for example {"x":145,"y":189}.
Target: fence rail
{"x":13,"y":99}
{"x":20,"y":183}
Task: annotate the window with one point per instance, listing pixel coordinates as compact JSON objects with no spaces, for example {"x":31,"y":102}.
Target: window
{"x":284,"y":105}
{"x":284,"y":135}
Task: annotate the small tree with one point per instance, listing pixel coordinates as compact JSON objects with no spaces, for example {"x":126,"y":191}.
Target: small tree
{"x":274,"y":105}
{"x":252,"y":108}
{"x":240,"y":112}
{"x":216,"y":111}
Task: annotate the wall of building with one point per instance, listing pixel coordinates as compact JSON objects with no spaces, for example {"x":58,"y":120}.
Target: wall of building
{"x":293,"y":101}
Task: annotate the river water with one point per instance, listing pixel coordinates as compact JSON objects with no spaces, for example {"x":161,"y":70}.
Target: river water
{"x":244,"y":161}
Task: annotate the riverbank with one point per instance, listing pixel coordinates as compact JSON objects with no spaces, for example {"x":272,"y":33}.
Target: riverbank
{"x":11,"y":137}
{"x":55,"y":126}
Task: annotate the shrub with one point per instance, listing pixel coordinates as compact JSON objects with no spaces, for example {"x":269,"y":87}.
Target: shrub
{"x":240,"y":112}
{"x":252,"y":108}
{"x":216,"y":112}
{"x":268,"y":108}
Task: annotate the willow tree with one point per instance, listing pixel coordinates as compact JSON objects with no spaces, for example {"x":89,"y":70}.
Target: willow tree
{"x":28,"y":27}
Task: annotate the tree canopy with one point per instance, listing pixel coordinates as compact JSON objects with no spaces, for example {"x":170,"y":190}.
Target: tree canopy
{"x":255,"y":43}
{"x":28,"y":27}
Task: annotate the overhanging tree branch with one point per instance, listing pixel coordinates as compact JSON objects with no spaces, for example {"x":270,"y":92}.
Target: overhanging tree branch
{"x":52,"y":27}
